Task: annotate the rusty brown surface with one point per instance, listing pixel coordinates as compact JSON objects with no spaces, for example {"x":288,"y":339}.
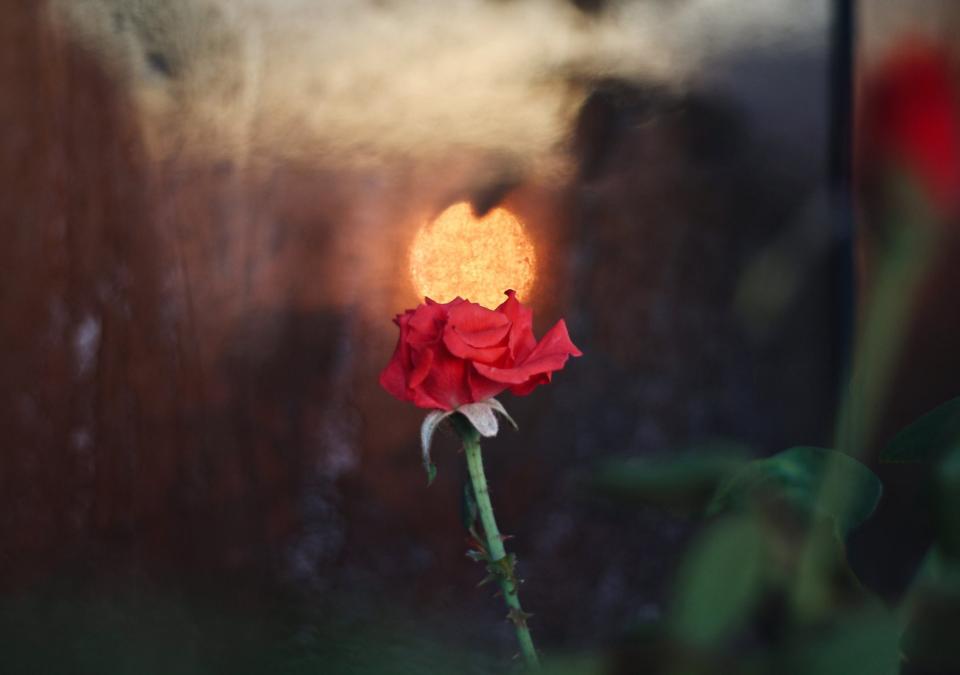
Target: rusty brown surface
{"x":189,"y":378}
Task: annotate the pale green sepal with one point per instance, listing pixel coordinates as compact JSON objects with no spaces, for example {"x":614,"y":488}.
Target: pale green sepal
{"x":481,"y":416}
{"x":430,"y":424}
{"x":498,"y":407}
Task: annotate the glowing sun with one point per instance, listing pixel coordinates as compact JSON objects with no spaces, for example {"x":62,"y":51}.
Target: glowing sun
{"x":475,"y":258}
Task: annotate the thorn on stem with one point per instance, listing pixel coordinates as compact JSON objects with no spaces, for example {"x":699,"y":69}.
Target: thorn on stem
{"x":518,"y":617}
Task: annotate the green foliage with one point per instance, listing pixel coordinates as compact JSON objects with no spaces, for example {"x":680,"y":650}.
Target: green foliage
{"x":682,"y":483}
{"x":141,"y":631}
{"x":575,"y":664}
{"x":933,"y":609}
{"x":933,"y":602}
{"x":799,"y":477}
{"x":720,"y":582}
{"x":857,"y":642}
{"x":118,"y":634}
{"x":929,"y":438}
{"x":368,"y":651}
{"x":777,"y":537}
{"x":718,"y":479}
{"x":947,"y":504}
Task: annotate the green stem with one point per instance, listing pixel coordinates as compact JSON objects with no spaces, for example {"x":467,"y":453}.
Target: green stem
{"x":901,"y":264}
{"x":496,"y":551}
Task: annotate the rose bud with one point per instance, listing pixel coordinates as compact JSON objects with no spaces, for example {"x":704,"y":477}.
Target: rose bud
{"x":909,"y":122}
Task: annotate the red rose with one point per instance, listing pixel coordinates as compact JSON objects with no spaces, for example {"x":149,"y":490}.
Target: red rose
{"x":456,"y":353}
{"x":910,"y":118}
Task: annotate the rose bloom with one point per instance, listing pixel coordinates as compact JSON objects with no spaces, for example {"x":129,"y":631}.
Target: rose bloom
{"x":456,"y":353}
{"x":910,"y":118}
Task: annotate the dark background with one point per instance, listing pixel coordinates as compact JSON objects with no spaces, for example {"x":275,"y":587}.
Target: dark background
{"x":181,"y":448}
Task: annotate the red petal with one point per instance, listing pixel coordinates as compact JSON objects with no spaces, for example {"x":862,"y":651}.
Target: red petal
{"x":393,"y":378}
{"x":423,"y":400}
{"x":475,"y":333}
{"x":521,"y":340}
{"x":549,"y":356}
{"x":459,"y":347}
{"x":426,"y":323}
{"x":531,"y":384}
{"x":911,"y":115}
{"x":478,"y":326}
{"x":556,"y":340}
{"x":421,"y":359}
{"x":482,"y":388}
{"x":447,"y":381}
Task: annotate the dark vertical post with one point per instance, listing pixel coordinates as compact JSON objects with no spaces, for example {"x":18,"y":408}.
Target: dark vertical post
{"x":840,"y":177}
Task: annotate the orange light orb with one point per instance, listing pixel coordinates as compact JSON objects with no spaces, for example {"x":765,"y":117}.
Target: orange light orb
{"x":477,"y":259}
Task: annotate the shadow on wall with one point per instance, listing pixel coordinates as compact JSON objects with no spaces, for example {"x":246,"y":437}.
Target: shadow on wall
{"x":126,"y":446}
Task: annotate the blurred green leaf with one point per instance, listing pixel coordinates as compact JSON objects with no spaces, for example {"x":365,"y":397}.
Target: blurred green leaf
{"x":930,"y":639}
{"x":947,"y":504}
{"x":932,"y":604}
{"x":929,"y":438}
{"x":58,"y":629}
{"x":866,"y":643}
{"x":719,"y":583}
{"x":681,"y":483}
{"x":940,"y":573}
{"x":797,"y":477}
{"x":575,"y":664}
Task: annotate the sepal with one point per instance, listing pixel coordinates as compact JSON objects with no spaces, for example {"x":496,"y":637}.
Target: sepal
{"x":429,"y":427}
{"x":482,"y":415}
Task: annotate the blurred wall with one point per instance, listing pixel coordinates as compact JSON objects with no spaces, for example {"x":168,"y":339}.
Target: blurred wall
{"x":193,"y":322}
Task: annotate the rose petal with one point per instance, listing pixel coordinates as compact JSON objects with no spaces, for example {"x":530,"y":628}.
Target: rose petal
{"x":481,"y":387}
{"x":475,"y":333}
{"x":393,"y":377}
{"x":426,"y":323}
{"x":401,"y":319}
{"x":447,"y":381}
{"x":520,"y":374}
{"x":550,"y":355}
{"x":557,"y":340}
{"x":458,"y":346}
{"x":478,"y":326}
{"x":531,"y":384}
{"x":521,"y":340}
{"x":421,"y":359}
{"x":421,"y":399}
{"x":458,"y":353}
{"x":911,"y":116}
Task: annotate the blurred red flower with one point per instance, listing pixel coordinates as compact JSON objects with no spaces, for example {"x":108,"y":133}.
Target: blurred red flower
{"x":910,"y":121}
{"x":456,"y":353}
